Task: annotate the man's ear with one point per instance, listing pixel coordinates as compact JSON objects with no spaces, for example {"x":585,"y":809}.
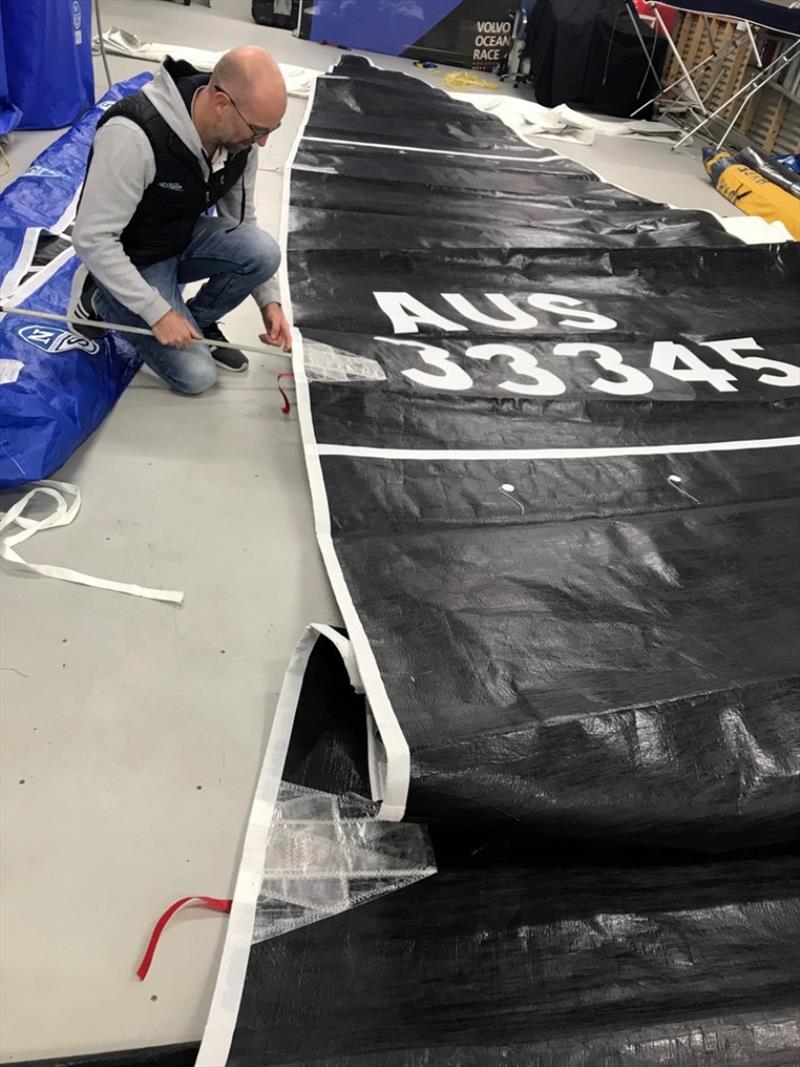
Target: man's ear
{"x":219,"y":101}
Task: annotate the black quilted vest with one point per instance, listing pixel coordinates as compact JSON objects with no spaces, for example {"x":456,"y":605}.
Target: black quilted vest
{"x":162,"y":225}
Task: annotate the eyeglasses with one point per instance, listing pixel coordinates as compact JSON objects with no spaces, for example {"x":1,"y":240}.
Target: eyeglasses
{"x":256,"y":131}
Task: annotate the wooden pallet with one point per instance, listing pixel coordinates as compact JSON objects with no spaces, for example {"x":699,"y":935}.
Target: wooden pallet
{"x":771,"y":119}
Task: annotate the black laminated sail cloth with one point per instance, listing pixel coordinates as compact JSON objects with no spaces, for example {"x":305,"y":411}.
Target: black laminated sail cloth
{"x":551,"y":437}
{"x":558,"y":479}
{"x":521,"y":950}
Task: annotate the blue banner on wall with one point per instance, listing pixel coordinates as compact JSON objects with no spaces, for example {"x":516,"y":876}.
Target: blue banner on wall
{"x":467,"y":33}
{"x":9,"y":113}
{"x":48,"y":55}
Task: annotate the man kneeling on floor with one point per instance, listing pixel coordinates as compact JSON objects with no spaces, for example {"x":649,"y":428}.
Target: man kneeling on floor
{"x":160,"y":159}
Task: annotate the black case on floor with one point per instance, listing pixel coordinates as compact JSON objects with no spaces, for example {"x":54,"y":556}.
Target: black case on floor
{"x":263,"y":12}
{"x":587,"y":52}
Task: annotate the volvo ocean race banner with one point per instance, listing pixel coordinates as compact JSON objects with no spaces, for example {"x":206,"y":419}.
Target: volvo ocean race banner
{"x":462,"y":33}
{"x":550,"y":431}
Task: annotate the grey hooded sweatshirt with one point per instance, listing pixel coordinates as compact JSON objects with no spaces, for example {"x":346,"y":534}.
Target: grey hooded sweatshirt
{"x":122,"y":167}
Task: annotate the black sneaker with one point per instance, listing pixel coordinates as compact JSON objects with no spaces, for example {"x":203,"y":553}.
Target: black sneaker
{"x":86,"y":308}
{"x":227,"y":358}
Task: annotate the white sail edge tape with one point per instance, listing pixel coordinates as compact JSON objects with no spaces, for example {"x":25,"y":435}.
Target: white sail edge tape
{"x":62,"y":515}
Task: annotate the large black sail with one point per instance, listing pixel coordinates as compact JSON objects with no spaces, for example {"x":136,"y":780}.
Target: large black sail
{"x":563,"y":504}
{"x":550,"y":437}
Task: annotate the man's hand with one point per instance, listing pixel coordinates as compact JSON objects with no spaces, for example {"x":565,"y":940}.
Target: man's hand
{"x":172,"y":329}
{"x":278,"y":330}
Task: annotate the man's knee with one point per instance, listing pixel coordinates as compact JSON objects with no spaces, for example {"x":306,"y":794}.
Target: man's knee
{"x":262,"y":251}
{"x":193,"y":376}
{"x":195,"y":384}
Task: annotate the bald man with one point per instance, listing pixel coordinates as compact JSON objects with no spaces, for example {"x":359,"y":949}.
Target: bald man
{"x":161,"y":159}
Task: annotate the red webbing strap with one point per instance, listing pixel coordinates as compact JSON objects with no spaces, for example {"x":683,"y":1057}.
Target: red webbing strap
{"x":199,"y":902}
{"x":286,"y":406}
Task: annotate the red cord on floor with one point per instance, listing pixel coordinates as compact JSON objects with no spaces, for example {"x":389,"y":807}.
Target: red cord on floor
{"x":192,"y":902}
{"x":286,"y":406}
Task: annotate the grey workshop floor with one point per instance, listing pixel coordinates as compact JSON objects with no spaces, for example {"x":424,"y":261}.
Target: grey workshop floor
{"x":133,"y":731}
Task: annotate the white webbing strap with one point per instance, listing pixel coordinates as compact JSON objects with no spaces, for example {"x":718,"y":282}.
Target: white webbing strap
{"x":61,"y":515}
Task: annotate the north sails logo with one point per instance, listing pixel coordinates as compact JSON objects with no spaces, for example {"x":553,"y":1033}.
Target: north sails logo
{"x":38,"y":171}
{"x":53,"y":341}
{"x":174,"y":187}
{"x":76,"y":21}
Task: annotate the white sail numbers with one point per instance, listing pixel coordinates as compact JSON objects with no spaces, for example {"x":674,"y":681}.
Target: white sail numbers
{"x":526,"y":376}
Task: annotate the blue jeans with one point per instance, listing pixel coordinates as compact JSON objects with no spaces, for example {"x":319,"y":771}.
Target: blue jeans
{"x":235,"y":263}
